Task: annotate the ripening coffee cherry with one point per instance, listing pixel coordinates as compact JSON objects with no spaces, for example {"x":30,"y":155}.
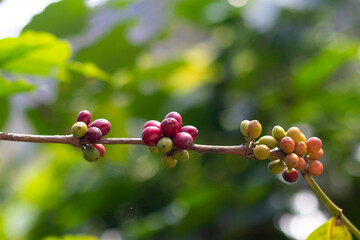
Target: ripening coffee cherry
{"x":287,"y":144}
{"x":254,"y":129}
{"x":169,"y":127}
{"x":93,"y":134}
{"x":100,"y":148}
{"x":303,"y":138}
{"x":183,"y":140}
{"x":84,"y":116}
{"x":151,"y":135}
{"x":153,"y":149}
{"x":152,"y":123}
{"x":102,"y":124}
{"x":243,"y":126}
{"x":79,"y":129}
{"x":313,"y":144}
{"x":302,"y":164}
{"x":290,"y":175}
{"x":261,"y":152}
{"x":292,"y":160}
{"x":315,"y":168}
{"x":168,"y":161}
{"x":269,"y":141}
{"x":91,"y":154}
{"x":316,"y":155}
{"x":276,"y":166}
{"x":181,"y":155}
{"x":278,"y":133}
{"x":165,"y":144}
{"x":190,"y":130}
{"x":294,"y":133}
{"x":175,"y":115}
{"x":300,"y":148}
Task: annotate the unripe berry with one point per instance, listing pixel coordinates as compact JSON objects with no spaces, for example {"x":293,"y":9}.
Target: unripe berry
{"x":91,"y":154}
{"x":254,"y":129}
{"x":294,"y":133}
{"x":276,"y":166}
{"x":190,"y":130}
{"x":168,"y":161}
{"x":93,"y":134}
{"x":313,"y":144}
{"x":84,"y":116}
{"x":302,"y":164}
{"x":261,"y":152}
{"x":175,"y":115}
{"x":287,"y":144}
{"x":315,"y":168}
{"x":278,"y":133}
{"x":79,"y":129}
{"x":153,"y":149}
{"x":290,"y":175}
{"x":151,"y":135}
{"x":165,"y":144}
{"x":268,"y":141}
{"x":183,"y":140}
{"x":292,"y":160}
{"x":243,"y":126}
{"x":169,"y":127}
{"x":300,"y":148}
{"x":102,"y":124}
{"x":303,"y":138}
{"x":316,"y":155}
{"x":100,"y":148}
{"x":152,"y":123}
{"x":181,"y":155}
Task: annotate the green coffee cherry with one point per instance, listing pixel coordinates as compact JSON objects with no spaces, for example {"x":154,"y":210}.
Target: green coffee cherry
{"x":268,"y":141}
{"x":254,"y":129}
{"x":276,"y":166}
{"x":278,"y":133}
{"x":91,"y":154}
{"x":168,"y":161}
{"x":153,"y":149}
{"x":261,"y":152}
{"x":181,"y":155}
{"x":79,"y":129}
{"x":243,"y":126}
{"x":165,"y":144}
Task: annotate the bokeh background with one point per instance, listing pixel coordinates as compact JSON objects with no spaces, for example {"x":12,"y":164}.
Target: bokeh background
{"x":217,"y":62}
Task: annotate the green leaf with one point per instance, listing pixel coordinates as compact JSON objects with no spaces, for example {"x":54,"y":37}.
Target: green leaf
{"x":330,"y":231}
{"x":8,"y":88}
{"x":72,"y":237}
{"x":88,"y":69}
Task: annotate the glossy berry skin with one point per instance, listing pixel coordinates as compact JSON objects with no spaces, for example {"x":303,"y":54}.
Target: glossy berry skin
{"x":84,"y":116}
{"x":300,"y":148}
{"x":315,"y":168}
{"x":278,"y":133}
{"x":91,"y":154}
{"x":269,"y":141}
{"x":93,"y":134}
{"x":168,"y":161}
{"x":292,"y":160}
{"x":169,"y":127}
{"x":181,"y":155}
{"x":175,"y":115}
{"x":165,"y":144}
{"x":183,"y":140}
{"x":79,"y":129}
{"x":294,"y":133}
{"x":152,"y":123}
{"x":261,"y":152}
{"x":290,"y":175}
{"x":302,"y":164}
{"x":243,"y":127}
{"x":316,"y":155}
{"x":151,"y":135}
{"x":102,"y":124}
{"x":190,"y":130}
{"x":100,"y":148}
{"x":287,"y":144}
{"x":276,"y":166}
{"x":313,"y":144}
{"x":254,"y":129}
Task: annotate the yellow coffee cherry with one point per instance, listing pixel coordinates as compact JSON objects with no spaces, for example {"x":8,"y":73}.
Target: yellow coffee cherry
{"x":168,"y":161}
{"x":243,"y":126}
{"x":278,"y":133}
{"x":261,"y":152}
{"x":294,"y":133}
{"x":276,"y":166}
{"x":254,"y":129}
{"x":268,"y":141}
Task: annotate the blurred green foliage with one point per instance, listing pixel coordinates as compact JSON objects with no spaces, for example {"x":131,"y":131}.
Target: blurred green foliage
{"x":216,"y":64}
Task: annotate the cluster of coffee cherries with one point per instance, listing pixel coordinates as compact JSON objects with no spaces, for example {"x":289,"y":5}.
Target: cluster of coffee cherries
{"x":92,"y":132}
{"x":300,"y":153}
{"x":170,"y":138}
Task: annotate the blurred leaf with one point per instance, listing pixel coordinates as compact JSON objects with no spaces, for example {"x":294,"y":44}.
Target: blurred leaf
{"x":8,"y":88}
{"x":88,"y":70}
{"x":329,"y":231}
{"x":72,"y":237}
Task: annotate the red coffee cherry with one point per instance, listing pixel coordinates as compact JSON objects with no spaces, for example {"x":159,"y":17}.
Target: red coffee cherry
{"x":300,"y":148}
{"x":302,"y":164}
{"x":315,"y":168}
{"x":313,"y":144}
{"x":175,"y":115}
{"x":84,"y":116}
{"x":190,"y":130}
{"x":93,"y":134}
{"x":292,"y":160}
{"x":151,"y":135}
{"x":102,"y":124}
{"x":290,"y":175}
{"x":287,"y":144}
{"x":153,"y":123}
{"x":183,"y":140}
{"x":316,"y":155}
{"x":169,"y":127}
{"x":100,"y":148}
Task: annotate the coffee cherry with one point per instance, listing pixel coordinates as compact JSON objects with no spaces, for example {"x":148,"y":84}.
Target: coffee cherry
{"x":168,"y":160}
{"x":294,"y":133}
{"x":181,"y":155}
{"x":79,"y":129}
{"x":300,"y":148}
{"x":151,"y":135}
{"x":91,"y":154}
{"x":276,"y":166}
{"x":183,"y":140}
{"x":254,"y":129}
{"x":165,"y":144}
{"x":316,"y":155}
{"x":261,"y":152}
{"x":93,"y":134}
{"x":169,"y":127}
{"x":290,"y":175}
{"x":175,"y":115}
{"x":303,"y":138}
{"x":278,"y":133}
{"x":287,"y":144}
{"x":153,"y":123}
{"x":190,"y":130}
{"x":84,"y":116}
{"x":243,"y":126}
{"x":302,"y":164}
{"x":100,"y":148}
{"x":313,"y":144}
{"x":292,"y":160}
{"x":315,"y":168}
{"x":153,"y":149}
{"x":268,"y":141}
{"x":102,"y":124}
